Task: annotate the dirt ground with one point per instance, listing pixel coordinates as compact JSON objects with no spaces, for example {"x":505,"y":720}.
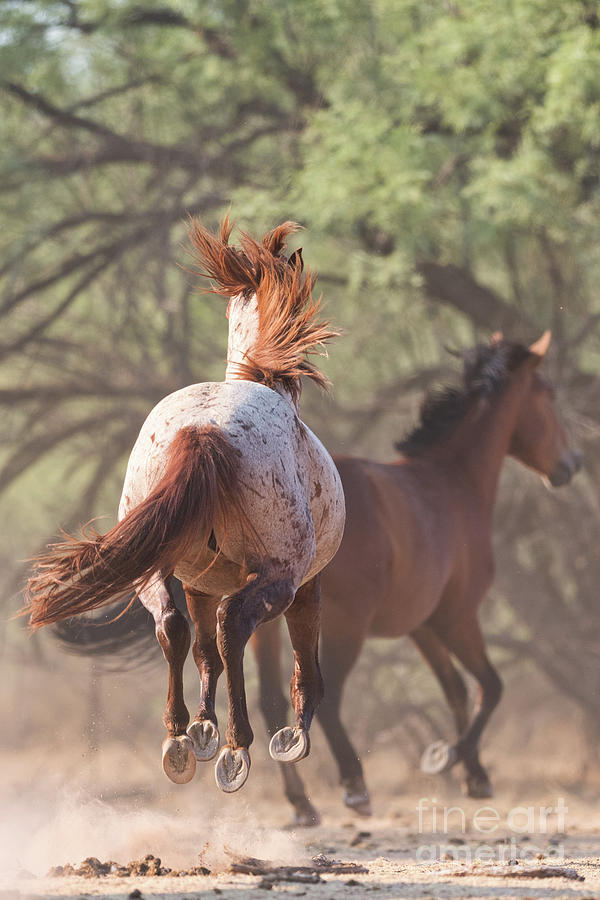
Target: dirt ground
{"x":390,"y":875}
{"x":386,"y":854}
{"x":424,"y":840}
{"x":75,"y":785}
{"x":391,"y":872}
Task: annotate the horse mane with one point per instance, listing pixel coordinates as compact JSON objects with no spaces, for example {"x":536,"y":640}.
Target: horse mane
{"x":289,"y":328}
{"x":486,"y":368}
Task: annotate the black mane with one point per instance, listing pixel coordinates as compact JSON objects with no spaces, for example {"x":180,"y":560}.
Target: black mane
{"x":486,"y":368}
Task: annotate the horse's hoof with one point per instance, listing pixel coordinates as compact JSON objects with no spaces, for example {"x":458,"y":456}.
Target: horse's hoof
{"x":232,"y":769}
{"x":438,"y":757}
{"x":356,"y":795}
{"x":289,"y":745}
{"x":205,"y":739}
{"x":178,"y":760}
{"x":306,"y":817}
{"x":478,"y":786}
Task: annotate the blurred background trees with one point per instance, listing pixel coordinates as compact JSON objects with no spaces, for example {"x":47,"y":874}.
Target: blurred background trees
{"x":445,"y":161}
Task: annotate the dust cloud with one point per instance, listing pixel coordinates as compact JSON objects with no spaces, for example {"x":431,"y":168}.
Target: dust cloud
{"x":35,"y":836}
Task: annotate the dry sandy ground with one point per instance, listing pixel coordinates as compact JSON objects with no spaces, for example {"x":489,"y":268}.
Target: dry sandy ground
{"x":393,"y":872}
{"x":60,"y":803}
{"x":405,"y":853}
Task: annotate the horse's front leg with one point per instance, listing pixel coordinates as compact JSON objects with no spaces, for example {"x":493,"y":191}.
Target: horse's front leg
{"x":203,"y":731}
{"x":238,"y":616}
{"x":306,"y":688}
{"x":173,"y":634}
{"x":465,"y":641}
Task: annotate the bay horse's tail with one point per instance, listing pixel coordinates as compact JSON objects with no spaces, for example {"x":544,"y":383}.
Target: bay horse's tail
{"x":122,"y":638}
{"x":199,"y":487}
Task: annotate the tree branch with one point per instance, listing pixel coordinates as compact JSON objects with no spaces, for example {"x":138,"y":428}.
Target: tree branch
{"x":29,"y":452}
{"x":116,"y":148}
{"x":456,"y":287}
{"x":61,"y":117}
{"x":204,"y":204}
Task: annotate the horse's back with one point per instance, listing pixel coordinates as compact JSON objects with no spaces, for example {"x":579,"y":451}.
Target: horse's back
{"x":287,"y":480}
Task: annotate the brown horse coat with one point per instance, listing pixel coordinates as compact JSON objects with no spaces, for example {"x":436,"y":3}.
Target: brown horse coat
{"x":416,"y":557}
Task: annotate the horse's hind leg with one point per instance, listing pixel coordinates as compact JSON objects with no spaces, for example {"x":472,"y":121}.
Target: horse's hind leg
{"x":338,"y":655}
{"x":173,"y":635}
{"x":466,"y":643}
{"x":238,"y":616}
{"x":266,"y":643}
{"x":306,"y":687}
{"x":441,"y":756}
{"x":203,"y":731}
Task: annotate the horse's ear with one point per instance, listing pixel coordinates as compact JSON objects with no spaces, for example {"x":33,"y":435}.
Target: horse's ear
{"x":274,"y":240}
{"x":540,"y":347}
{"x":296,"y":260}
{"x":496,"y":338}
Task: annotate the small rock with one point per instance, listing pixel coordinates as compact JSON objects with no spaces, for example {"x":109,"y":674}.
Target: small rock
{"x":359,"y":838}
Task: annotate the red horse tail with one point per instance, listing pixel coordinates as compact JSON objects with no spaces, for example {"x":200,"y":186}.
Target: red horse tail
{"x":199,"y":487}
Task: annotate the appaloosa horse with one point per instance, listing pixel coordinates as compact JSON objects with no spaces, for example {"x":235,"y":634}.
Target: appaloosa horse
{"x":416,"y":558}
{"x":228,"y":490}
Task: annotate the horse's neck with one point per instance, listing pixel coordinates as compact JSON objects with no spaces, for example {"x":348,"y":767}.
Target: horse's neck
{"x":482,"y":441}
{"x":243,"y":335}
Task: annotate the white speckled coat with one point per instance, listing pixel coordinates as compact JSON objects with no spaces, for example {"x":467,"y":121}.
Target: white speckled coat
{"x":228,"y":489}
{"x":292,"y":493}
{"x":291,"y":490}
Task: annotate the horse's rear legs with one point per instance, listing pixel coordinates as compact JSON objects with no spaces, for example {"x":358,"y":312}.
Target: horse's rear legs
{"x":306,"y":688}
{"x":238,"y":616}
{"x":203,"y":731}
{"x":266,"y":643}
{"x":466,"y":643}
{"x":173,"y":634}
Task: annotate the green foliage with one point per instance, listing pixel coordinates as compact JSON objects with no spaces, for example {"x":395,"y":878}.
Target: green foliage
{"x":444,"y":158}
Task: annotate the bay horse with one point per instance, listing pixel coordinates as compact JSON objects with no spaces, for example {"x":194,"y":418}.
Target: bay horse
{"x":228,"y":490}
{"x":416,"y":557}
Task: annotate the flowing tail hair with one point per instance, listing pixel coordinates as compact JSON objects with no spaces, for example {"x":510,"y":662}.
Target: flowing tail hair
{"x":200,"y":487}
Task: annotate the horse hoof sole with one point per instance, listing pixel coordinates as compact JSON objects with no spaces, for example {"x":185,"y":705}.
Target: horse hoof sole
{"x":438,"y":757}
{"x":289,"y":745}
{"x":178,"y":760}
{"x":205,"y":739}
{"x":232,"y":769}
